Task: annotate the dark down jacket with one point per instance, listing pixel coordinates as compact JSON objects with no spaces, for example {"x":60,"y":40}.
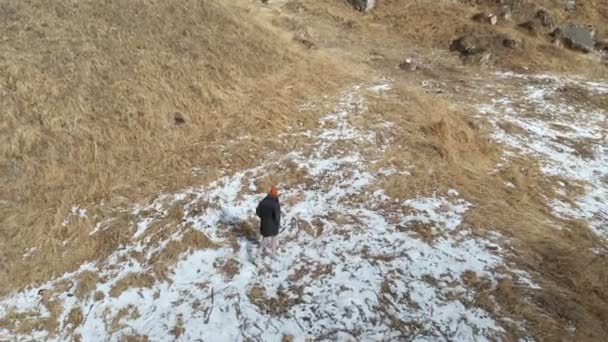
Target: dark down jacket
{"x":269,"y":210}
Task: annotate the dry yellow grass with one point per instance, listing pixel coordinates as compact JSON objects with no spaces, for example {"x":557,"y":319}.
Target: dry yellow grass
{"x":132,"y":280}
{"x":86,"y":282}
{"x":90,"y":90}
{"x":89,"y":97}
{"x":129,"y":312}
{"x":452,"y":152}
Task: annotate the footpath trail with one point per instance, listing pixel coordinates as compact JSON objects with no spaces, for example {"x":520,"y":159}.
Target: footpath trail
{"x":354,"y":264}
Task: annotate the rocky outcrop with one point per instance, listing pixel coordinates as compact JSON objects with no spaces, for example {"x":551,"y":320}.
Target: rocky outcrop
{"x":576,"y":37}
{"x":482,"y":48}
{"x":542,"y":22}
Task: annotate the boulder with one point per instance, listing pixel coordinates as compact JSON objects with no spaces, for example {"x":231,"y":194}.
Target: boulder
{"x":468,"y":45}
{"x":482,"y":49}
{"x":542,"y":22}
{"x":363,"y":5}
{"x":510,"y":43}
{"x":602,"y":46}
{"x":576,"y":37}
{"x":179,"y":119}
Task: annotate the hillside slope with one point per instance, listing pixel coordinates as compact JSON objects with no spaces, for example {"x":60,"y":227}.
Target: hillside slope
{"x":427,"y":194}
{"x":104,"y":103}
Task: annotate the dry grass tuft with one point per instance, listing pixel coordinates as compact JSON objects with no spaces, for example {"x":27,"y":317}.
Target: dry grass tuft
{"x":191,"y":240}
{"x":134,"y":338}
{"x":86,"y":282}
{"x":230,"y":268}
{"x":99,"y":296}
{"x":178,"y":329}
{"x":74,"y":319}
{"x":128,"y":312}
{"x":278,"y":305}
{"x":425,"y":231}
{"x":136,"y":280}
{"x":21,"y":322}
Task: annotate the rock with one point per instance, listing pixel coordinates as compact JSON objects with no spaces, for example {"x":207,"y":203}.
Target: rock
{"x":467,"y":45}
{"x":541,"y":23}
{"x":179,"y":119}
{"x":602,"y":46}
{"x":363,"y":5}
{"x":483,"y":49}
{"x":505,"y":13}
{"x":532,"y":26}
{"x":510,"y":43}
{"x":544,"y":18}
{"x":569,"y":5}
{"x":304,"y":38}
{"x":408,"y":64}
{"x":485,"y":17}
{"x":485,"y":58}
{"x":575,"y":37}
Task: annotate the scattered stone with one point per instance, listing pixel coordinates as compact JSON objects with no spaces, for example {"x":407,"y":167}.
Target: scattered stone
{"x":485,"y":17}
{"x":569,"y":5}
{"x":179,"y":119}
{"x":532,"y":26}
{"x":602,"y":46}
{"x":408,"y":64}
{"x":510,"y":43}
{"x":485,"y":58}
{"x":541,"y":23}
{"x":304,"y":38}
{"x":307,"y":43}
{"x":575,"y":37}
{"x":544,"y":18}
{"x":505,"y":13}
{"x":493,"y":247}
{"x":363,"y":5}
{"x":482,"y":49}
{"x":468,"y":45}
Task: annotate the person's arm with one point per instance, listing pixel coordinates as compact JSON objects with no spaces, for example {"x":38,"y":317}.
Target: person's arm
{"x":257,"y":210}
{"x":277,"y":214}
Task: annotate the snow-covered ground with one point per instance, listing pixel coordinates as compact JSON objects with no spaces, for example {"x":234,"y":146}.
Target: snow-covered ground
{"x":568,"y":135}
{"x":353,"y":264}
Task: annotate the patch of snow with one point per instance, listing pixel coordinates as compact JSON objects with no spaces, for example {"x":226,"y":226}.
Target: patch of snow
{"x":368,"y":271}
{"x":570,"y":140}
{"x":75,"y":212}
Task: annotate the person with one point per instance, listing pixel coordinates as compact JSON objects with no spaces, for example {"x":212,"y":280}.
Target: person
{"x":269,"y":212}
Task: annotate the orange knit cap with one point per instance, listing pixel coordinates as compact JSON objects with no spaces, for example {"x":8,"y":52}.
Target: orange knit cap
{"x":274,"y":192}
